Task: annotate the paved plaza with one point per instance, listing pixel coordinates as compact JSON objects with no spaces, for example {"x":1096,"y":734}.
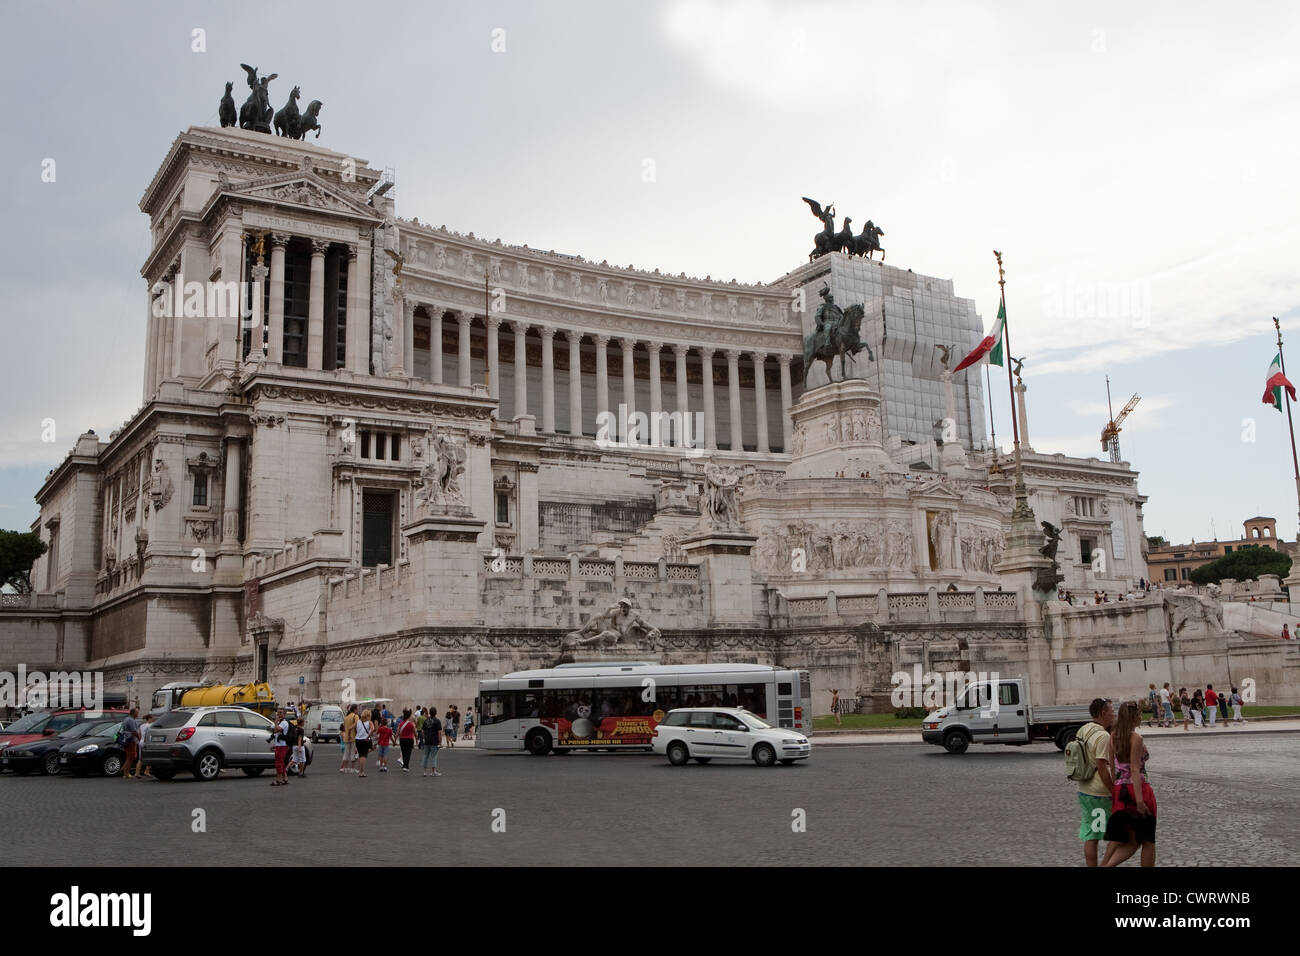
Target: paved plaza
{"x":1222,"y":802}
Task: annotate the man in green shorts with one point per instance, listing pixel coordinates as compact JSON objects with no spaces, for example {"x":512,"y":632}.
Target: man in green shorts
{"x":1095,"y":792}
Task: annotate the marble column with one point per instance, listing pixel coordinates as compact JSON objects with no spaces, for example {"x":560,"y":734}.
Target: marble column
{"x":653,"y":349}
{"x":733,"y":397}
{"x":358,"y":330}
{"x":151,"y":346}
{"x":275,"y":313}
{"x":760,"y":402}
{"x":435,"y":344}
{"x":602,"y":384}
{"x":493,"y":356}
{"x":408,"y":341}
{"x":787,"y":426}
{"x":462,"y":353}
{"x":629,"y":389}
{"x":403,"y":320}
{"x":548,"y":379}
{"x":575,"y":383}
{"x":521,"y":367}
{"x":710,"y":412}
{"x":316,"y":304}
{"x":1021,"y":413}
{"x":683,"y":399}
{"x":230,"y":495}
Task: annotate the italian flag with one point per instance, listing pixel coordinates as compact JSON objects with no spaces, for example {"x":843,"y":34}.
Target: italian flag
{"x":991,"y":345}
{"x":1276,"y":382}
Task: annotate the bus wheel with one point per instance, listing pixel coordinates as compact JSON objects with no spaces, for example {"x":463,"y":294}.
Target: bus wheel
{"x":956,"y":742}
{"x":538,"y":743}
{"x":678,"y":755}
{"x":764,"y":755}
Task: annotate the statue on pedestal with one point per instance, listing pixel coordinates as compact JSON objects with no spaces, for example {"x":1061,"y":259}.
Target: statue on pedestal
{"x":439,"y":483}
{"x":256,"y":113}
{"x":837,"y":333}
{"x":718,"y":505}
{"x":619,"y":625}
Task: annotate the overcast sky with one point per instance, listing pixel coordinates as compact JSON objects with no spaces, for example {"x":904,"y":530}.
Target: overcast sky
{"x":1136,"y":164}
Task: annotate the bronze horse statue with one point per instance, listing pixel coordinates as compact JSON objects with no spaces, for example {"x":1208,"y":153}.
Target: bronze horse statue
{"x":286,"y":118}
{"x":308,"y":121}
{"x":837,"y":334}
{"x":868,"y":243}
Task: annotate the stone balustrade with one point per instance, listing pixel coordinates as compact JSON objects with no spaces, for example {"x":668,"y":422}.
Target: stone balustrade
{"x":321,"y":545}
{"x":591,"y":569}
{"x":31,"y":602}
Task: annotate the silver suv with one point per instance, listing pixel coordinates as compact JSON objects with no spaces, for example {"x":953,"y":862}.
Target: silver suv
{"x":205,"y":740}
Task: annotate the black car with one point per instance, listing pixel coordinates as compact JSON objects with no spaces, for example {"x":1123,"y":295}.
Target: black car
{"x":43,"y":754}
{"x":97,"y":752}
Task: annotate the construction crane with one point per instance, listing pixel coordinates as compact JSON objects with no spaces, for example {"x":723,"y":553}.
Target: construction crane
{"x":1110,"y":434}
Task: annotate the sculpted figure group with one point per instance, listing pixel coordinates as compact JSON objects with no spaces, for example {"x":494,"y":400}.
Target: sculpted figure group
{"x":257,"y":115}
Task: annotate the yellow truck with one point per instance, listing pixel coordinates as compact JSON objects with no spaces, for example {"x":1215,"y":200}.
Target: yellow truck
{"x":256,"y":696}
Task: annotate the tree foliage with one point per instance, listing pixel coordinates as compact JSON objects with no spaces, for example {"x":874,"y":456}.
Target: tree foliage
{"x":1156,"y":541}
{"x":18,"y":552}
{"x":1248,"y":563}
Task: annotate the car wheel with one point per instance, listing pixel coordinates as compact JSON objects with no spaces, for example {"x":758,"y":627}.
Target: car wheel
{"x":163,"y":774}
{"x":678,"y":755}
{"x":111,"y":766}
{"x":703,"y":759}
{"x":956,"y":742}
{"x":315,"y":738}
{"x":764,"y":755}
{"x":1064,"y":736}
{"x":538,"y":743}
{"x":50,"y":763}
{"x":253,"y":771}
{"x":786,"y":763}
{"x":208,"y":766}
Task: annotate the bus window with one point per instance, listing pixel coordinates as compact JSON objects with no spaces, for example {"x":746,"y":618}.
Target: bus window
{"x":702,"y":695}
{"x":528,"y":703}
{"x":496,"y":707}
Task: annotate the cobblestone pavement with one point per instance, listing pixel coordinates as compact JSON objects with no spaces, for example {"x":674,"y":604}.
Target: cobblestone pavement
{"x":1221,"y":802}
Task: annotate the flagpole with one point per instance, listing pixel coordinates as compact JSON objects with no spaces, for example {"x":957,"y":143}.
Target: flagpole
{"x":1021,"y":511}
{"x":992,"y":426}
{"x":1286,"y":396}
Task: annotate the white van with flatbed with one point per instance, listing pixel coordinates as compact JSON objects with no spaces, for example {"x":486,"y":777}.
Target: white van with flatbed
{"x":999,"y":712}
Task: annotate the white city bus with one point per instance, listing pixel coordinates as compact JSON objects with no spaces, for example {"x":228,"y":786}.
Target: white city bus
{"x":616,"y":705}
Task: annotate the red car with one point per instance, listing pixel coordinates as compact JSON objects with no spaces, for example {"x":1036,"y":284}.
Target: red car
{"x":47,"y":723}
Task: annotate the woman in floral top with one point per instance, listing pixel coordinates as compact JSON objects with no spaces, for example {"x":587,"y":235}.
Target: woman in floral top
{"x":1133,"y":803}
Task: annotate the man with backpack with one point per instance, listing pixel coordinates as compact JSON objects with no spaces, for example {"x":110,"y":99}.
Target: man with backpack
{"x":1087,"y":763}
{"x":431,"y":733}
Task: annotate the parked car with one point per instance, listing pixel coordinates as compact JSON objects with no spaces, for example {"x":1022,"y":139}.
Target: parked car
{"x":324,"y":722}
{"x":207,"y":740}
{"x":43,"y":753}
{"x":99,"y":751}
{"x":48,"y":723}
{"x":704,"y":733}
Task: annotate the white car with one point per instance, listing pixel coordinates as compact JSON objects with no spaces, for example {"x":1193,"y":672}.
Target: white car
{"x":702,"y":733}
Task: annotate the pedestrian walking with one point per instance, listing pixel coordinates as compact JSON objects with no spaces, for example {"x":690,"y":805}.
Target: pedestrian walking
{"x":1286,"y":635}
{"x":1223,"y":707}
{"x":280,"y":741}
{"x":365,"y":736}
{"x":432,"y":742}
{"x":1094,"y":783}
{"x":140,"y":769}
{"x":298,"y":737}
{"x":406,"y":739}
{"x":1133,"y":803}
{"x":1211,"y":704}
{"x":1236,"y":707}
{"x":1166,"y":706}
{"x":835,"y":705}
{"x":383,"y":739}
{"x":1198,"y":704}
{"x":349,"y":740}
{"x":449,"y":725}
{"x":469,"y":723}
{"x":419,"y":727}
{"x":130,"y":737}
{"x":1185,"y":705}
{"x":1153,"y":701}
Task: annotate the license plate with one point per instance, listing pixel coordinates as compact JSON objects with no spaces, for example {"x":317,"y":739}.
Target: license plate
{"x":157,"y":738}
